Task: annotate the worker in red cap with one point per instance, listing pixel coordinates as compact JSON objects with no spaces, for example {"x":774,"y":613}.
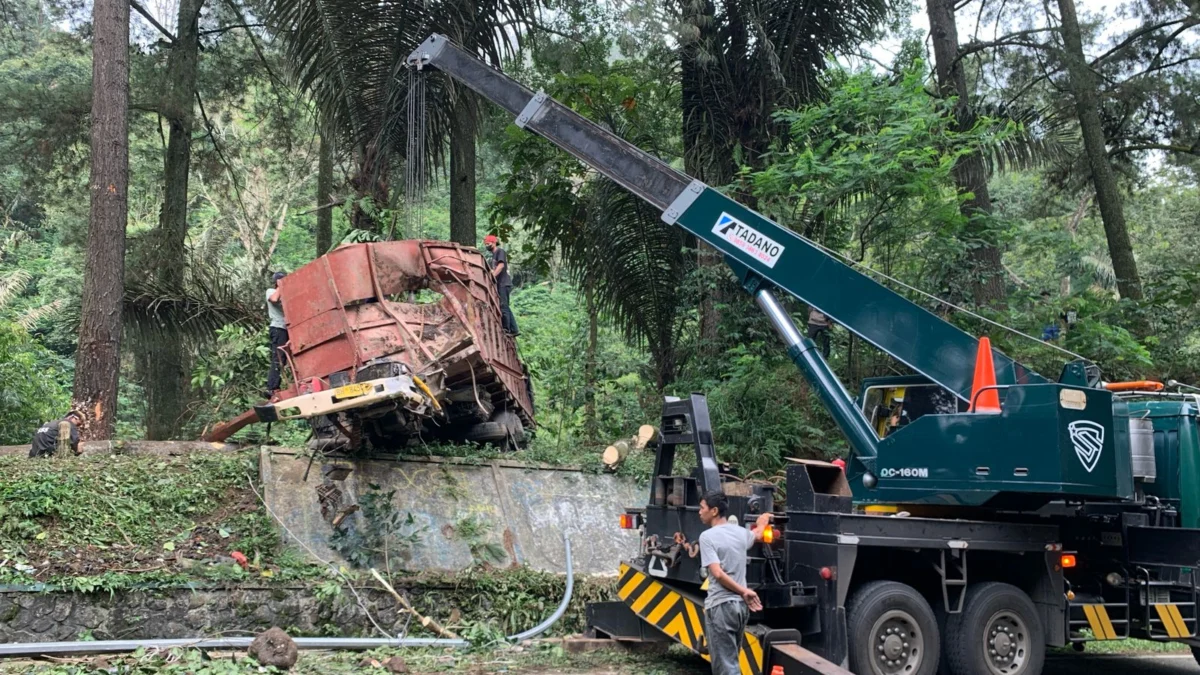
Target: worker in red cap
{"x":503,"y":282}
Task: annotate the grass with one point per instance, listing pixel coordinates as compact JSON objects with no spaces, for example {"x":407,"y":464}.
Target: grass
{"x":1128,"y":647}
{"x":104,"y":522}
{"x":543,"y":449}
{"x":542,"y":659}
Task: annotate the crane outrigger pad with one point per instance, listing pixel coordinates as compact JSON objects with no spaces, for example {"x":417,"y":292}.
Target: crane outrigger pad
{"x":680,"y":615}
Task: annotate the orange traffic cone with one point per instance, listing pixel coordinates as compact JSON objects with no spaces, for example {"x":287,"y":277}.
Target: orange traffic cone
{"x":984,"y":400}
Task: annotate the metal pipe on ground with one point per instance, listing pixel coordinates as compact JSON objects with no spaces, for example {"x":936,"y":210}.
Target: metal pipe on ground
{"x":117,"y":646}
{"x":112,"y":646}
{"x":562,"y":606}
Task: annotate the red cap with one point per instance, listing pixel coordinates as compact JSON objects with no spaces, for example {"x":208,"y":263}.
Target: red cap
{"x":490,"y":239}
{"x":840,"y":462}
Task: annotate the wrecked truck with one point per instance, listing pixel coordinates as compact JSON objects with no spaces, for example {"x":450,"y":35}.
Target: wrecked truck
{"x":396,"y":343}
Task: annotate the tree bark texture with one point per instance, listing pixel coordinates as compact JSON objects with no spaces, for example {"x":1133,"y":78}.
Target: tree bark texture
{"x":591,"y":426}
{"x":463,"y":124}
{"x":1108,"y":195}
{"x":370,"y":184}
{"x":166,"y":381}
{"x":324,"y":196}
{"x":98,"y":357}
{"x":970,"y":173}
{"x":707,"y":155}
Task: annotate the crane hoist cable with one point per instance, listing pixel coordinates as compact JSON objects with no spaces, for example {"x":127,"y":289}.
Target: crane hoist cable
{"x":415,"y":172}
{"x":872,"y":271}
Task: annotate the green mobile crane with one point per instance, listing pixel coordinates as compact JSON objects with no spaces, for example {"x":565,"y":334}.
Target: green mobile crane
{"x":1002,"y":516}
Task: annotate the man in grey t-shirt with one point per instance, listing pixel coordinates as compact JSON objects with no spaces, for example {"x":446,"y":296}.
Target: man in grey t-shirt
{"x":277,"y":331}
{"x":727,"y":608}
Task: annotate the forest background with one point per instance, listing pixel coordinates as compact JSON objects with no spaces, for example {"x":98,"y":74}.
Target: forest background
{"x":1033,"y":163}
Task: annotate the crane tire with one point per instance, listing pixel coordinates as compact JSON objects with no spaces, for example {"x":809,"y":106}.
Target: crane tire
{"x":999,"y":632}
{"x":892,"y":631}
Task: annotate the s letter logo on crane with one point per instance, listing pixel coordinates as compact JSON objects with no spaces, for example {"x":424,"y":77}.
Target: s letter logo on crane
{"x":1088,"y":438}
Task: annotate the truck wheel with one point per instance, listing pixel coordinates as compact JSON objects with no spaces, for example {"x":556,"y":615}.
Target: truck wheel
{"x":505,"y":430}
{"x":892,"y":631}
{"x":513,"y":426}
{"x":997,"y":633}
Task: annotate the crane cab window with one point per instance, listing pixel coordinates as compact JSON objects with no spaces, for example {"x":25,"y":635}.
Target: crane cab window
{"x":893,"y":407}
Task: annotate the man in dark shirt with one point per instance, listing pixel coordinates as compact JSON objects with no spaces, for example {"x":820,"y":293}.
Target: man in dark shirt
{"x":51,"y":435}
{"x":503,"y":282}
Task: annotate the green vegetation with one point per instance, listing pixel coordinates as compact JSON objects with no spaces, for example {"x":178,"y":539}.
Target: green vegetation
{"x":538,"y":659}
{"x":105,"y":522}
{"x":616,"y":309}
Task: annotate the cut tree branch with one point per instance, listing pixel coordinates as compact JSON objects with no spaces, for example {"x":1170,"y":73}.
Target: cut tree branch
{"x":137,"y":7}
{"x":235,"y":26}
{"x":1134,"y":36}
{"x":1006,"y":41}
{"x":1193,"y":149}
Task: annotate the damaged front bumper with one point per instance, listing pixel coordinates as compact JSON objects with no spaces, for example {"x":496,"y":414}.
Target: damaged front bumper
{"x":402,"y":388}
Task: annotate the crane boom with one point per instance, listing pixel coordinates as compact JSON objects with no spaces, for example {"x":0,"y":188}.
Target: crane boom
{"x":938,"y":458}
{"x":758,"y":249}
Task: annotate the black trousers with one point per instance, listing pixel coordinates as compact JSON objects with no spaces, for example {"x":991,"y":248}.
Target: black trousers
{"x":279,"y":338}
{"x":507,"y":319}
{"x":820,"y":335}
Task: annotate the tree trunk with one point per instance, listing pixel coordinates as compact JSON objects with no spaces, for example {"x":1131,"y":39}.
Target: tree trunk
{"x":324,"y":195}
{"x":705,"y":157}
{"x":371,"y":189}
{"x":166,"y":381}
{"x":1108,"y":196}
{"x":463,"y":125}
{"x":970,"y":174}
{"x":98,"y":357}
{"x":591,"y":427}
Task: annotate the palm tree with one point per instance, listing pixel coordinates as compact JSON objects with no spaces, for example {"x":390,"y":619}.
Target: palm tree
{"x":350,"y":56}
{"x":741,"y":60}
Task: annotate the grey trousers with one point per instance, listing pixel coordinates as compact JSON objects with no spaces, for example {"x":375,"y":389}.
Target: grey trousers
{"x":723,"y":628}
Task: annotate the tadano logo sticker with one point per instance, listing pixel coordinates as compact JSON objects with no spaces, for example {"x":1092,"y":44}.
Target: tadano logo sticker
{"x":1088,"y":438}
{"x":749,"y":240}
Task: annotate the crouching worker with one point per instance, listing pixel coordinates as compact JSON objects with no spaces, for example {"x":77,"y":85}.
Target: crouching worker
{"x":723,"y":549}
{"x":60,"y":436}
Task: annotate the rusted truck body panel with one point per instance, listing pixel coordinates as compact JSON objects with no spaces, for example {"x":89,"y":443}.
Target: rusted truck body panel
{"x":418,"y":323}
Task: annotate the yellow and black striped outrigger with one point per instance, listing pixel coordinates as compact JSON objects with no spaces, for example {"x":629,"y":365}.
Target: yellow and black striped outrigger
{"x":680,"y":616}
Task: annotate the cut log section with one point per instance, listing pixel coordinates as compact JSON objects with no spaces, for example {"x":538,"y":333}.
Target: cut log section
{"x":615,"y":454}
{"x":647,"y":436}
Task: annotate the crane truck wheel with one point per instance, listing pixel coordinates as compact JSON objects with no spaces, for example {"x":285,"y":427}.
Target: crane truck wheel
{"x":892,"y":631}
{"x":998,"y":632}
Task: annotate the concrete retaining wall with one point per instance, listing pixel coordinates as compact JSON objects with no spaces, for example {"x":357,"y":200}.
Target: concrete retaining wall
{"x":30,"y":616}
{"x":524,"y":509}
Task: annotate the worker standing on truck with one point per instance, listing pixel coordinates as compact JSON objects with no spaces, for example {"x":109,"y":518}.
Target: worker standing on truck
{"x":277,"y":331}
{"x":57,"y":436}
{"x":723,"y":549}
{"x":503,"y":282}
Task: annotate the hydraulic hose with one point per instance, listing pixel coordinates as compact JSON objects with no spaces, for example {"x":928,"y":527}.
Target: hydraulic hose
{"x":562,"y":606}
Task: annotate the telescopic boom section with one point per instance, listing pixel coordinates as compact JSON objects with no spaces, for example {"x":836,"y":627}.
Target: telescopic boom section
{"x":757,"y":249}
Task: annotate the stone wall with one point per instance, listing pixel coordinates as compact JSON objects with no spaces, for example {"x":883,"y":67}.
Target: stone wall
{"x":186,"y":613}
{"x":511,"y":601}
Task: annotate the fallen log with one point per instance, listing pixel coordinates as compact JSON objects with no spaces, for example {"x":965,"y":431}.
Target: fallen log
{"x":161,"y":448}
{"x":647,"y":436}
{"x":615,"y":454}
